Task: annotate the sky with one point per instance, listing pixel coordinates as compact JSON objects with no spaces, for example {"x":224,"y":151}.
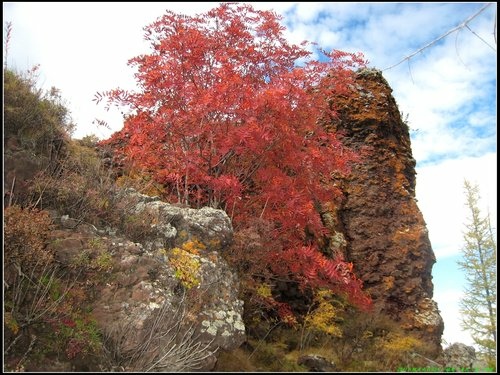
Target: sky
{"x":447,"y":92}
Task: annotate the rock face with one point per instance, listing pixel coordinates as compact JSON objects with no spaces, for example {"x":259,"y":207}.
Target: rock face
{"x":171,"y":224}
{"x":169,"y":303}
{"x":379,"y":226}
{"x":458,"y":357}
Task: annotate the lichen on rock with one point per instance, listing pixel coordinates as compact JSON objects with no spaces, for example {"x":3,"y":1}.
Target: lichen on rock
{"x":174,"y":284}
{"x":386,"y":236}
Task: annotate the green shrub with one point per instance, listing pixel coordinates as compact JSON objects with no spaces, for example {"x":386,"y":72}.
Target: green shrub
{"x":36,"y":120}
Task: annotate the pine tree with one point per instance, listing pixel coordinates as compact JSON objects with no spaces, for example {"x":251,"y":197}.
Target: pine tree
{"x":478,"y":306}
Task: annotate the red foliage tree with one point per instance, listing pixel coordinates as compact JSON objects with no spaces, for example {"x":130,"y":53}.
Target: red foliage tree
{"x":224,"y":117}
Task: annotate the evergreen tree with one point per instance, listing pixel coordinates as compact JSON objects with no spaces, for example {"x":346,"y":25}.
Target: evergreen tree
{"x":478,"y":306}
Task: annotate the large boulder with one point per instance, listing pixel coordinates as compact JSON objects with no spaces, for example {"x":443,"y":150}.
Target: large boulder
{"x":169,"y":303}
{"x":316,"y":363}
{"x":165,"y":299}
{"x":458,"y":357}
{"x":172,"y":224}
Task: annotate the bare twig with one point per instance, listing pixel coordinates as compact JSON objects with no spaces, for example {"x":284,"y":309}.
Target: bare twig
{"x":168,"y":343}
{"x":459,"y":27}
{"x":12,"y":191}
{"x":427,"y":359}
{"x":265,"y":205}
{"x":8,"y":34}
{"x":37,"y":289}
{"x":30,"y":348}
{"x":262,"y":340}
{"x":18,"y":337}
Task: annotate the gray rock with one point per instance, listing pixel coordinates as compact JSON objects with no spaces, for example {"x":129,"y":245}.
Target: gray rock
{"x":316,"y":363}
{"x":68,"y":222}
{"x":459,"y":357}
{"x":167,"y":307}
{"x":173,"y":225}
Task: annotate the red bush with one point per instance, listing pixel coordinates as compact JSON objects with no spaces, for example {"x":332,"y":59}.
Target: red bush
{"x":224,"y":117}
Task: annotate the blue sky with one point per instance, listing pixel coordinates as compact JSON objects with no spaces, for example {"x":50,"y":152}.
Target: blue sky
{"x":448,"y":91}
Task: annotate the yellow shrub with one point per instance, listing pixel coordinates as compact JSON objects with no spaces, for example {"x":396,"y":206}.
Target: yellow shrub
{"x":186,"y":267}
{"x":325,"y":316}
{"x":396,"y":349}
{"x":264,"y":290}
{"x":399,"y":344}
{"x":142,"y":183}
{"x":193,"y":247}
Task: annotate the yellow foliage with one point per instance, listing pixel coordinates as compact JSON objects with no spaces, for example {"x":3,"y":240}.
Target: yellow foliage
{"x":11,"y":322}
{"x":186,"y":267}
{"x":193,"y":247}
{"x":397,"y":343}
{"x":264,"y":290}
{"x":290,"y":320}
{"x":326,"y":316}
{"x":142,"y":183}
{"x":396,"y":349}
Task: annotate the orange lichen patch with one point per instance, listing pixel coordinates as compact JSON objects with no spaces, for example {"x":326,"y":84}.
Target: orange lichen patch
{"x":371,"y":103}
{"x":406,"y":237}
{"x":388,"y":282}
{"x":379,"y":210}
{"x":194,"y":246}
{"x":400,"y":181}
{"x":409,"y":209}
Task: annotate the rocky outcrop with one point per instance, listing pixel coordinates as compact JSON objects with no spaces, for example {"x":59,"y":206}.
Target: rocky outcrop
{"x":458,"y":357}
{"x":167,"y":304}
{"x":172,"y":225}
{"x":379,"y":226}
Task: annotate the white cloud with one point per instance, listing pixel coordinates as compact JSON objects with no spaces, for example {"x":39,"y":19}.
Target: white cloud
{"x":441,"y":198}
{"x":305,"y":12}
{"x":442,"y":97}
{"x":83,"y":48}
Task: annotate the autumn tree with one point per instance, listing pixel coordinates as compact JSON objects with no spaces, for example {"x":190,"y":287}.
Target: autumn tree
{"x":478,"y":305}
{"x":223,"y":116}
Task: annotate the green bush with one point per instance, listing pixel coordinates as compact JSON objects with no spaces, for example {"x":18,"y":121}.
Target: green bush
{"x":35,"y":119}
